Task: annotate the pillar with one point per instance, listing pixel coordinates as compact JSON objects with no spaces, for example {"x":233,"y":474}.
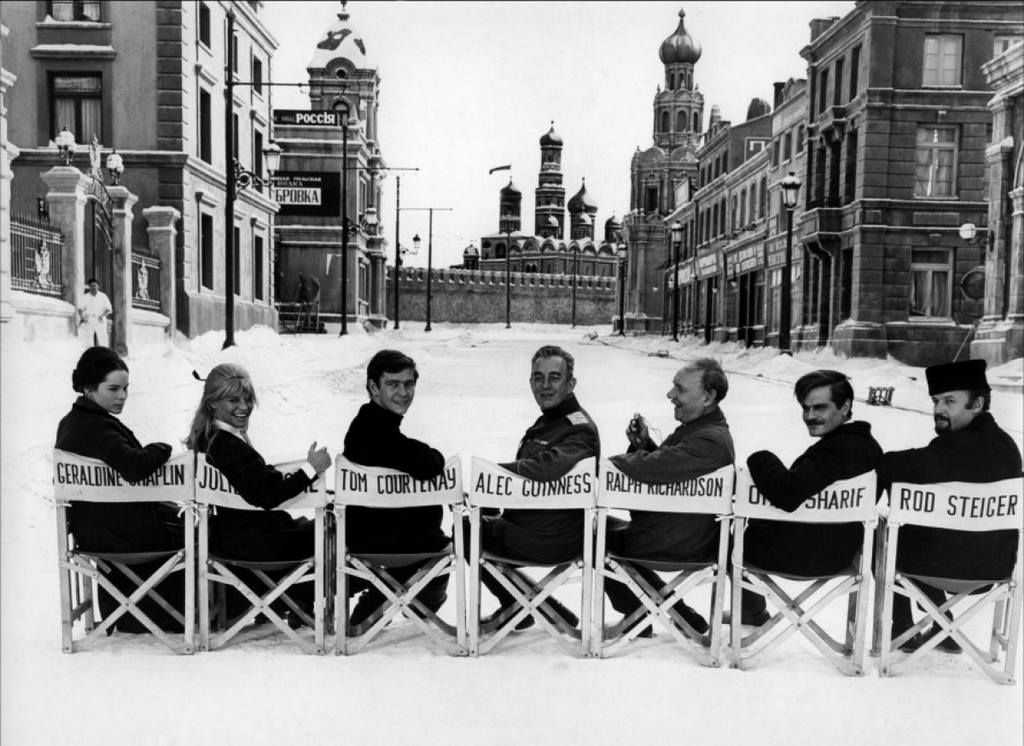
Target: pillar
{"x":66,"y":198}
{"x":121,"y":249}
{"x":163,"y":235}
{"x":8,"y":153}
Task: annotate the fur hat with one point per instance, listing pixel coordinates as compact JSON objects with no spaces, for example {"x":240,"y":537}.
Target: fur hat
{"x":93,"y":367}
{"x":967,"y":375}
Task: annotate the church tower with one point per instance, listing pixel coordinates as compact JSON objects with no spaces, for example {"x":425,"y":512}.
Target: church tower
{"x":679,"y":108}
{"x":549,"y":205}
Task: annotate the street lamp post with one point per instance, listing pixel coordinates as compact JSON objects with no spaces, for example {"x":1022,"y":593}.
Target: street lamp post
{"x":430,"y":251}
{"x":620,"y":252}
{"x":676,"y":230}
{"x":790,"y":189}
{"x":343,"y":105}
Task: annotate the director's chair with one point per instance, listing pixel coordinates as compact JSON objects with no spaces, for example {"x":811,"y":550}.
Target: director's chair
{"x":495,"y":487}
{"x":960,"y":506}
{"x":845,"y":501}
{"x":80,"y":479}
{"x":710,"y":494}
{"x":385,"y":489}
{"x":253,"y":579}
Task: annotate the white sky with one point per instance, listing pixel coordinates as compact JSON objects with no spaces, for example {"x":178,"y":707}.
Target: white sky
{"x":468,"y":86}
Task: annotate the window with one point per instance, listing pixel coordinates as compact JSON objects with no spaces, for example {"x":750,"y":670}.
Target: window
{"x":651,"y":199}
{"x":775,"y":297}
{"x":681,"y":122}
{"x":850,"y":181}
{"x":935,"y":170}
{"x":800,"y":137}
{"x":234,"y":53}
{"x":238,"y":260}
{"x":942,"y":54}
{"x":743,"y":207}
{"x":665,"y":121}
{"x":822,"y":90}
{"x":257,"y":267}
{"x":776,"y":148}
{"x":204,"y":23}
{"x":257,"y":75}
{"x":1002,"y":43}
{"x":76,"y":102}
{"x":234,"y":136}
{"x":854,"y":70}
{"x":696,"y":122}
{"x":764,"y":197}
{"x":257,"y":154}
{"x":205,"y":127}
{"x":931,"y":274}
{"x":78,"y":10}
{"x":837,"y":89}
{"x":753,"y":202}
{"x":206,"y":250}
{"x":787,"y":146}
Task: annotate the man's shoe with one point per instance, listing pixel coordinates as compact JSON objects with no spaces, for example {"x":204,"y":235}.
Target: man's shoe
{"x":757,"y":619}
{"x":365,"y":608}
{"x":525,"y":623}
{"x":567,"y":616}
{"x":947,"y":645}
{"x":692,"y":617}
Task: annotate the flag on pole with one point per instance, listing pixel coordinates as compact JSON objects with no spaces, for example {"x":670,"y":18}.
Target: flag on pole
{"x":507,"y":167}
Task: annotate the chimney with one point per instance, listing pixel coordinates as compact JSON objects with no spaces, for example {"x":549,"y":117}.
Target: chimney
{"x":716,"y":117}
{"x":820,"y":25}
{"x":778,"y":94}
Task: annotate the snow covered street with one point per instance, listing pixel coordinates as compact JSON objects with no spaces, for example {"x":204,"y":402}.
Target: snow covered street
{"x":472,"y":398}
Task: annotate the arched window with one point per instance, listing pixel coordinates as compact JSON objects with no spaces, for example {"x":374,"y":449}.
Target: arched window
{"x":696,"y":122}
{"x":763,"y":201}
{"x":499,"y":251}
{"x":666,"y":122}
{"x":681,"y":122}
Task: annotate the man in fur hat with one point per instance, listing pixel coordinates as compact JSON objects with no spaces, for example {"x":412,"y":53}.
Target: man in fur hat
{"x":969,"y":447}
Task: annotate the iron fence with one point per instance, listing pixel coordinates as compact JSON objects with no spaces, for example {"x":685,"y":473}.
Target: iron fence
{"x":145,"y":281}
{"x":36,"y":256}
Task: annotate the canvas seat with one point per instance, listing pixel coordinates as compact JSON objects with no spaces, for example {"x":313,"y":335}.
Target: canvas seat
{"x":494,"y":487}
{"x":801,"y":612}
{"x":710,"y":494}
{"x":262,"y":584}
{"x":385,"y":489}
{"x":995,"y":506}
{"x":81,"y":572}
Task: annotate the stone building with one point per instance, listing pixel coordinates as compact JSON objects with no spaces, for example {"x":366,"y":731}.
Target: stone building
{"x":897,"y":128}
{"x":1000,"y":335}
{"x":324,"y":164}
{"x":148,"y":80}
{"x":548,"y":250}
{"x":659,"y":176}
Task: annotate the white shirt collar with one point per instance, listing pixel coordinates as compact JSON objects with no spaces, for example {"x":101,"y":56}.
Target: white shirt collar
{"x":241,"y":434}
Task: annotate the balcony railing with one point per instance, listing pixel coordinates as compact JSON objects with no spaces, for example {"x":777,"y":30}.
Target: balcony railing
{"x":36,"y":248}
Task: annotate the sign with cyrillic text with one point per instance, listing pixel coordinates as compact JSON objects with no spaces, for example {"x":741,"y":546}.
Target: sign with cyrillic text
{"x":376,"y":487}
{"x":491,"y":486}
{"x":90,"y":480}
{"x":308,"y":118}
{"x":708,"y":493}
{"x":308,"y":193}
{"x":844,"y":501}
{"x":213,"y":488}
{"x":964,"y":506}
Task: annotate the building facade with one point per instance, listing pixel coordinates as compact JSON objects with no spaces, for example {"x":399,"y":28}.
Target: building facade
{"x":660,"y":179}
{"x":548,"y":250}
{"x":332,"y":170}
{"x":148,"y":79}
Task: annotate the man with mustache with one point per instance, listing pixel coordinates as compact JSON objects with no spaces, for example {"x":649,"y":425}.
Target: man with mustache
{"x":845,"y":449}
{"x":969,"y":447}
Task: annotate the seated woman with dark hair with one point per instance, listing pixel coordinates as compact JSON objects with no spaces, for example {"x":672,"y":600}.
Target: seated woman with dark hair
{"x":220,"y":430}
{"x":91,"y":429}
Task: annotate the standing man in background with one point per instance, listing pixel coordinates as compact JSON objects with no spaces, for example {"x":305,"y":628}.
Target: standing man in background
{"x":93,"y":312}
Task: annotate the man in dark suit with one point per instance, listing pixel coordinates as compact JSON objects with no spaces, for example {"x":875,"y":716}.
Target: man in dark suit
{"x":845,"y":449}
{"x":374,"y":438}
{"x":969,"y":447}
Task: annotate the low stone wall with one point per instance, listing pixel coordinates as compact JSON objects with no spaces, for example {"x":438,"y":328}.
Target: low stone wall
{"x":478,"y":296}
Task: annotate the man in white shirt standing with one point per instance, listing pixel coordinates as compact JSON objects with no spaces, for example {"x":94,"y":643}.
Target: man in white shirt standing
{"x":93,"y":313}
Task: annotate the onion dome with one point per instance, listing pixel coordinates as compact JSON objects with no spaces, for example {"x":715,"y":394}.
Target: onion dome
{"x":758,"y":108}
{"x":680,"y":47}
{"x":340,"y":41}
{"x":551,"y":137}
{"x":582,"y":201}
{"x":612,"y":224}
{"x":510,"y":189}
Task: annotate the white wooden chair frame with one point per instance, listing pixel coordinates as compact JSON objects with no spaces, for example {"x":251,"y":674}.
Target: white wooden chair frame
{"x":657,"y":605}
{"x":529,"y":597}
{"x":1004,"y":594}
{"x":797,"y":614}
{"x":79,"y":570}
{"x":216,"y":571}
{"x":400,"y":598}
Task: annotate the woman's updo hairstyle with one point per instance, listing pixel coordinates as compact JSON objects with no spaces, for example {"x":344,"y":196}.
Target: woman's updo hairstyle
{"x":93,"y":367}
